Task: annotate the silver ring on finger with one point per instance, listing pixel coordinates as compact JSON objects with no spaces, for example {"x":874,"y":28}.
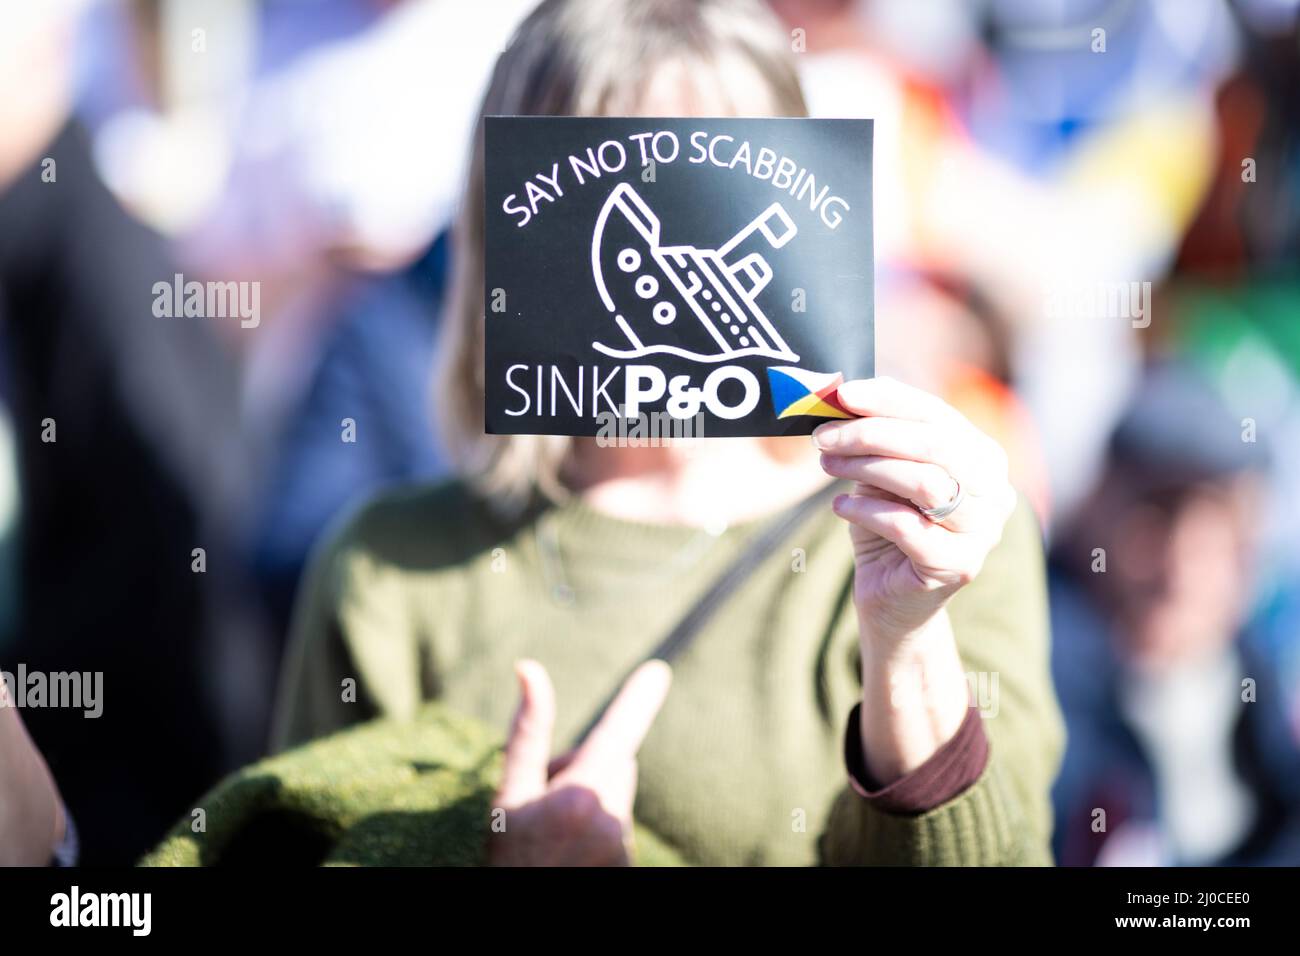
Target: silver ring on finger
{"x":945,"y":511}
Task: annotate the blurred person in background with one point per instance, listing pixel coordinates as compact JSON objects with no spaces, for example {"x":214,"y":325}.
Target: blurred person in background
{"x":1179,"y":750}
{"x":127,"y":460}
{"x":843,"y":692}
{"x":1033,"y":163}
{"x":1234,"y":295}
{"x":275,"y":141}
{"x":363,"y":423}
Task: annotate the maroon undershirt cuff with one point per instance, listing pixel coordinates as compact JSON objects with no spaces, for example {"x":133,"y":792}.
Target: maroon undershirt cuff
{"x":951,"y":769}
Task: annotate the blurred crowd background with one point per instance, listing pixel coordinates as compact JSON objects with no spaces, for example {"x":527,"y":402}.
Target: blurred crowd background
{"x":1033,"y":161}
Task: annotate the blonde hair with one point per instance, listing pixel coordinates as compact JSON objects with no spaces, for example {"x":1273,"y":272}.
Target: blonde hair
{"x":582,"y":57}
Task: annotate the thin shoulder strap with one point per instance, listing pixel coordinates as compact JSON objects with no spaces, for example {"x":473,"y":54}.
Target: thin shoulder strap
{"x":690,"y":625}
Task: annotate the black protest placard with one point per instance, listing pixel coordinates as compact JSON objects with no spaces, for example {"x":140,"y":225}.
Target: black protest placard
{"x":708,"y":276}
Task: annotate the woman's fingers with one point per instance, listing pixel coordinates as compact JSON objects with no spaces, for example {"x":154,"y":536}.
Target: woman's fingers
{"x":919,"y":484}
{"x":939,"y":556}
{"x":910,"y":452}
{"x":613,"y":742}
{"x":884,"y":397}
{"x":923,"y":484}
{"x":577,"y":810}
{"x":896,"y":438}
{"x":625,"y":723}
{"x":528,"y":750}
{"x":560,"y":763}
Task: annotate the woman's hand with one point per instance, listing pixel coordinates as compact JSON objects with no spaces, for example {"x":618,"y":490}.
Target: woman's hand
{"x":908,"y":452}
{"x":577,"y":809}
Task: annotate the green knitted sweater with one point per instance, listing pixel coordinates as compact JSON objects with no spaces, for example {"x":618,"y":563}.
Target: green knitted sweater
{"x":425,"y":594}
{"x":385,"y":793}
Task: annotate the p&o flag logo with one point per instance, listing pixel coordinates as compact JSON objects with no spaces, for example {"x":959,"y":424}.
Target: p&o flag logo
{"x":797,"y":391}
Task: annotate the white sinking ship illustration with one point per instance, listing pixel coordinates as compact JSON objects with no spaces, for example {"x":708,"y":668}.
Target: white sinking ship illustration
{"x":699,"y":304}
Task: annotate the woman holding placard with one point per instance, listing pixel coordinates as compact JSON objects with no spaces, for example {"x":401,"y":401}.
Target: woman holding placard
{"x":856,"y":678}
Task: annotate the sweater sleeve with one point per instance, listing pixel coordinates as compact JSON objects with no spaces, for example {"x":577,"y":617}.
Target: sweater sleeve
{"x":949,"y":772}
{"x":1004,"y":817}
{"x":351,"y":655}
